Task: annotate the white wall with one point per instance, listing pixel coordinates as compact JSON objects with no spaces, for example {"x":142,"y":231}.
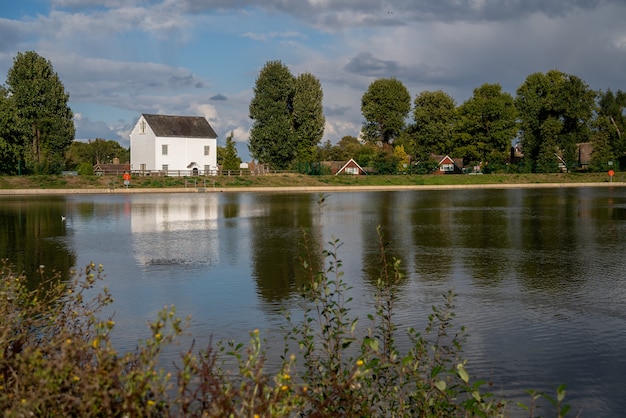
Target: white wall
{"x":142,"y":148}
{"x":183,"y":151}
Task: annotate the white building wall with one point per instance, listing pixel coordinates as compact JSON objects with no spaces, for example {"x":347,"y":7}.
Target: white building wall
{"x":181,"y":152}
{"x":142,"y":147}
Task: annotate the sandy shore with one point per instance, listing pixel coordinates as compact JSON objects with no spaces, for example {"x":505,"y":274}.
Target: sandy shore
{"x":299,"y":189}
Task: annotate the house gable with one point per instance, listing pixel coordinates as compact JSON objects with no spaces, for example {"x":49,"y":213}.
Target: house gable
{"x":447,"y":165}
{"x":351,"y":167}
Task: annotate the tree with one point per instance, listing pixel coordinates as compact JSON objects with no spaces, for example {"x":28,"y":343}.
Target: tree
{"x":434,"y":117}
{"x":487,"y":125}
{"x":562,"y":101}
{"x":308,"y":116}
{"x":351,"y":145}
{"x":288,"y":116}
{"x":44,"y":120}
{"x":230,"y":159}
{"x":612,"y":122}
{"x":9,"y":145}
{"x":385,"y":107}
{"x":272,"y":137}
{"x":96,"y":151}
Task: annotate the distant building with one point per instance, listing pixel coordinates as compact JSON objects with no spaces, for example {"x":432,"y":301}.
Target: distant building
{"x":447,"y":165}
{"x":115,"y":169}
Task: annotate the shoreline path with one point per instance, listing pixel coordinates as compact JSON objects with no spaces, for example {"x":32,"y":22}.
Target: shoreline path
{"x":299,"y":189}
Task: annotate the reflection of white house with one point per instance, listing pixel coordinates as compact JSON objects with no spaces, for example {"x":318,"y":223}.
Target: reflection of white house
{"x":177,"y":145}
{"x":174,"y":231}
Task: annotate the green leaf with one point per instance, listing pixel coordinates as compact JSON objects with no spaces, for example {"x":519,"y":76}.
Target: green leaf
{"x":462,"y":373}
{"x":441,"y":385}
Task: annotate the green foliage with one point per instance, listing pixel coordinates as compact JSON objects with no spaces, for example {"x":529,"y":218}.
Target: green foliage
{"x":434,"y":117}
{"x":308,"y":116}
{"x":385,"y":163}
{"x":85,"y":169}
{"x":555,"y":110}
{"x":288,"y":117}
{"x":488,"y":123}
{"x":9,"y":138}
{"x":229,"y":158}
{"x":272,"y":137}
{"x":385,"y":106}
{"x":44,"y":121}
{"x":96,"y":151}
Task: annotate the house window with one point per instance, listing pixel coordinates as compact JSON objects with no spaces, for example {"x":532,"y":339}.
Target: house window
{"x":207,"y":169}
{"x":142,"y":127}
{"x":207,"y":149}
{"x":352,"y":170}
{"x":142,"y":167}
{"x":446,"y":167}
{"x":164,"y":149}
{"x":164,"y":167}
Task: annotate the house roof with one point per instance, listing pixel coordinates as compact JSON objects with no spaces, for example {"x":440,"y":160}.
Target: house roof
{"x":180,"y":126}
{"x":350,"y":163}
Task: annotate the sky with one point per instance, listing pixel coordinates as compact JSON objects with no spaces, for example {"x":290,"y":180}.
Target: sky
{"x":120,"y":58}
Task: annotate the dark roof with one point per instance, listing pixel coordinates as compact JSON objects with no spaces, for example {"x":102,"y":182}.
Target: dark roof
{"x":181,"y":126}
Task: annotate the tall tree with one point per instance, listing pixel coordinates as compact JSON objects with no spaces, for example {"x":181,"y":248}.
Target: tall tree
{"x":272,"y":137}
{"x":434,"y":117}
{"x":9,"y":145}
{"x":43,"y":118}
{"x":308,"y":116}
{"x":487,"y":125}
{"x":563,"y":102}
{"x":612,"y":122}
{"x":230,"y":159}
{"x":385,"y":106}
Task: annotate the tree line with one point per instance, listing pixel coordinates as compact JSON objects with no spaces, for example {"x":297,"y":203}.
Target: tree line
{"x":551,"y":114}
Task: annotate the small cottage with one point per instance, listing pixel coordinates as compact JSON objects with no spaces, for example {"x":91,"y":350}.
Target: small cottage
{"x":447,"y":165}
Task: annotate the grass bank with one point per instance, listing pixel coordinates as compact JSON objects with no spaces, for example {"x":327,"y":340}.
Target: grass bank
{"x":297,"y":180}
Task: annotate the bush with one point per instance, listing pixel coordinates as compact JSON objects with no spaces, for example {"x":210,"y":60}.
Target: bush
{"x":85,"y":169}
{"x":56,"y":358}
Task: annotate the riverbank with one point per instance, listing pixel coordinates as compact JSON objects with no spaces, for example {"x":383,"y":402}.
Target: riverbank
{"x":38,"y":185}
{"x":299,"y":189}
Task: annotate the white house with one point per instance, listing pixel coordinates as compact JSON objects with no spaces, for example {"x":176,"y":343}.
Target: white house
{"x":176,"y":145}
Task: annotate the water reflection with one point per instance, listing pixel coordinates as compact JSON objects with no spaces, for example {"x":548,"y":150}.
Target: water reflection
{"x":539,"y":273}
{"x":277,"y":243}
{"x":33,"y":234}
{"x":175,"y":231}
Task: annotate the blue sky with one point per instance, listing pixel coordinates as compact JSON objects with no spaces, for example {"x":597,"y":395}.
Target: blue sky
{"x":120,"y":58}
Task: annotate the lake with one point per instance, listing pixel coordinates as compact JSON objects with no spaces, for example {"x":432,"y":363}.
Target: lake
{"x":540,"y":273}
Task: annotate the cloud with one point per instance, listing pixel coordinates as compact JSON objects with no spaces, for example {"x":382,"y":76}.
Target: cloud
{"x":219,"y":97}
{"x":365,"y":64}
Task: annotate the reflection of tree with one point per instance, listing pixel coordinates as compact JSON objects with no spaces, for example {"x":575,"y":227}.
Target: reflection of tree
{"x":550,"y":240}
{"x":431,"y":218}
{"x":229,"y":240}
{"x":386,"y":213}
{"x":277,"y":242}
{"x":488,"y":238}
{"x":27,"y":227}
